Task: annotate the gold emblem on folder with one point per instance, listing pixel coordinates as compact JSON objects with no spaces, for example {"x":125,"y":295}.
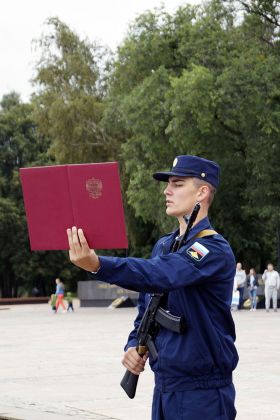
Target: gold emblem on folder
{"x":94,"y":187}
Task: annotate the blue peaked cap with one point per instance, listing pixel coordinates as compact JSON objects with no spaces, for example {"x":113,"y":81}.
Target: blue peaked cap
{"x":192,"y":166}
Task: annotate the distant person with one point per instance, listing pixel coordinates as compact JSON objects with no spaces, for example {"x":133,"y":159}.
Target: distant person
{"x":69,"y":299}
{"x":59,"y":292}
{"x":239,"y":282}
{"x":52,"y":302}
{"x":272,"y":283}
{"x":253,"y":284}
{"x":235,"y":296}
{"x":35,"y":292}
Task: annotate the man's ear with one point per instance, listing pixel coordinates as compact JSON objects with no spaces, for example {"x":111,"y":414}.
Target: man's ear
{"x":203,"y":192}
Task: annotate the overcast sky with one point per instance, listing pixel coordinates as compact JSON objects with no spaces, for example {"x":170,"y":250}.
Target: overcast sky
{"x":21,"y":21}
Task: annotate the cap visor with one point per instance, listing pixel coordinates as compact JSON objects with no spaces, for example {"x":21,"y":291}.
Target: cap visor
{"x":164,"y":176}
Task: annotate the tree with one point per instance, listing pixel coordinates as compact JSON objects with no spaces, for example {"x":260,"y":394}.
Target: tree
{"x":202,"y":81}
{"x":194,"y":83}
{"x":68,"y":106}
{"x":265,"y":10}
{"x":20,"y":146}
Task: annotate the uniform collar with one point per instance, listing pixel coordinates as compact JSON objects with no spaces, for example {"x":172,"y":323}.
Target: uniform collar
{"x":203,"y":224}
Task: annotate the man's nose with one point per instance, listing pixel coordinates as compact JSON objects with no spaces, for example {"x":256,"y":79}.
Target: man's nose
{"x":167,"y":190}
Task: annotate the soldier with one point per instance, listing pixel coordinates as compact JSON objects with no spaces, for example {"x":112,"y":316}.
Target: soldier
{"x":193,"y":370}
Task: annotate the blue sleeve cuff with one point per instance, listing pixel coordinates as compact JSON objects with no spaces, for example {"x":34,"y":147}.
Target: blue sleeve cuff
{"x":131,"y":343}
{"x":106,"y":270}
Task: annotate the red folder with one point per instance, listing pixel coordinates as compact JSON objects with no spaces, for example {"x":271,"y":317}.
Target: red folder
{"x":87,"y":196}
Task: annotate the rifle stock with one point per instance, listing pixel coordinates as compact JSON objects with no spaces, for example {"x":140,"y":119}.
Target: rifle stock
{"x":129,"y":383}
{"x":130,"y":380}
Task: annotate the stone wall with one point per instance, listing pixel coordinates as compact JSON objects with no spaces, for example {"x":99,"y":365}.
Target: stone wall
{"x":97,"y":293}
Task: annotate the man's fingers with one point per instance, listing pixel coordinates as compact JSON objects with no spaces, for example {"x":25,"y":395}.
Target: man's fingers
{"x":79,"y":252}
{"x":132,"y":355}
{"x":75,"y":239}
{"x":138,"y":360}
{"x":83,"y":240}
{"x":77,"y":242}
{"x":133,"y":367}
{"x":69,"y":234}
{"x":146,"y":356}
{"x":71,"y":245}
{"x":133,"y":362}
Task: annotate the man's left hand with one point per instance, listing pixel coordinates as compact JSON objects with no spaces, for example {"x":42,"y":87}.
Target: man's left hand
{"x":79,"y":252}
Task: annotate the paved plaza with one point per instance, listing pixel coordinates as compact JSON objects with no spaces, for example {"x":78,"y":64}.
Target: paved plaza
{"x":63,"y":366}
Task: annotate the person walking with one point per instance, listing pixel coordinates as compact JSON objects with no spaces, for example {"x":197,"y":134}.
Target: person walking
{"x":240,"y":282}
{"x":69,"y":300}
{"x":272,"y":283}
{"x":59,"y":292}
{"x":52,"y":302}
{"x":193,"y":369}
{"x":253,"y":284}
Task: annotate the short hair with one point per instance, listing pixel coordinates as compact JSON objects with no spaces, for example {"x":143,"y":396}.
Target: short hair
{"x":270,"y":264}
{"x":199,"y":183}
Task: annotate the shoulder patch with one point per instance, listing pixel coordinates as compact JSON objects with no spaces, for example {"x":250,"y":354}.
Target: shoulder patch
{"x":197,"y":251}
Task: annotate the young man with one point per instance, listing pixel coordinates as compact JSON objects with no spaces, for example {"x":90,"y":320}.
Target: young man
{"x":193,"y":370}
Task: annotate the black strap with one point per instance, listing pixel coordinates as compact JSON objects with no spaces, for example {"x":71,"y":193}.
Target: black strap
{"x":180,"y":241}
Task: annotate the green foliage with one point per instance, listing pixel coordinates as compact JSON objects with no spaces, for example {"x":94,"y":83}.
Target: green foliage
{"x":20,"y":146}
{"x":202,"y":81}
{"x":69,"y":104}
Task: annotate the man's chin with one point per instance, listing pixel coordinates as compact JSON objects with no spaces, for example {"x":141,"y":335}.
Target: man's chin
{"x":169,"y":212}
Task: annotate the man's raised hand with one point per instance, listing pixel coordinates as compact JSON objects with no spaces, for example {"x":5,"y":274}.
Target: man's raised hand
{"x":79,"y":252}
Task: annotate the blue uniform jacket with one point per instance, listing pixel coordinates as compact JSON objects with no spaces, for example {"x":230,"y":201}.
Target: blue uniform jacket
{"x":199,"y":281}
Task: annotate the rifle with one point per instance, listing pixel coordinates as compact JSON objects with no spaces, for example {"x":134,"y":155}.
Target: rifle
{"x":154,"y":318}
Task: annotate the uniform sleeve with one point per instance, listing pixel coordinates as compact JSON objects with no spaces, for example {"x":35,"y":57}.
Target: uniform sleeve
{"x":132,"y":338}
{"x":162,"y":273}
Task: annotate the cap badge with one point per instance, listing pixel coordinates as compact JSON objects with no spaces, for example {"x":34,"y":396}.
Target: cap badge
{"x":175,"y":162}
